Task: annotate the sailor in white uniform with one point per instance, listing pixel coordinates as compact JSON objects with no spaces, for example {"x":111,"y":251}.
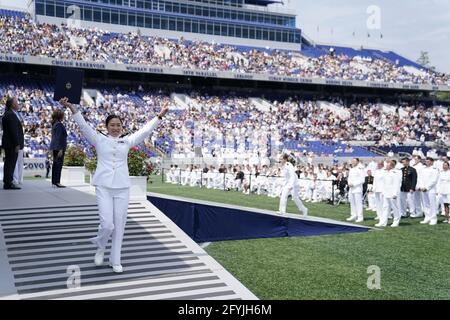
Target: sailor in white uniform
{"x":111,"y":179}
{"x":291,"y":187}
{"x":392,"y":180}
{"x":378,"y":185}
{"x":356,"y":177}
{"x":417,"y":196}
{"x":428,"y":184}
{"x":443,"y":189}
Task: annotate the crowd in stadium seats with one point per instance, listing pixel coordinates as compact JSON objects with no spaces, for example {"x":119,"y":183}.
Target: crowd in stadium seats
{"x":21,"y":35}
{"x":230,"y":125}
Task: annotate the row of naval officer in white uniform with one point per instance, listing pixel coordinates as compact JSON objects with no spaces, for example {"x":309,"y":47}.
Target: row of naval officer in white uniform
{"x":386,"y":196}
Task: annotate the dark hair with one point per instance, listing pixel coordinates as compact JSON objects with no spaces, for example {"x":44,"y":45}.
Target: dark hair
{"x":394,"y":162}
{"x":405,"y":159}
{"x":9,"y":103}
{"x":289,"y":158}
{"x":112,"y":116}
{"x":57,"y":115}
{"x":430,"y":158}
{"x":357,"y":159}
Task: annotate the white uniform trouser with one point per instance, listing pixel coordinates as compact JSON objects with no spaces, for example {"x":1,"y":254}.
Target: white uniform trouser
{"x":430,"y":206}
{"x":406,"y":200}
{"x":309,"y":194}
{"x":284,"y":197}
{"x":379,"y":204}
{"x":372,"y":201}
{"x":18,"y":171}
{"x":113,"y":209}
{"x":356,"y":205}
{"x":418,"y":207}
{"x":440,"y":203}
{"x":388,"y":205}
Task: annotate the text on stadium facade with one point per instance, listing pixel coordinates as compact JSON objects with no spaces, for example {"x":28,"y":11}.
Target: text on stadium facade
{"x":12,"y":58}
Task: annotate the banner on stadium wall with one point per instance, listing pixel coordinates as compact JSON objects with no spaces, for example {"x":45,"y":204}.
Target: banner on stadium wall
{"x":211,"y":74}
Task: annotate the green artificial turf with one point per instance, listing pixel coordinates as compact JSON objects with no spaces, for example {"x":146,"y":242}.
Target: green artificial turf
{"x":414,"y":259}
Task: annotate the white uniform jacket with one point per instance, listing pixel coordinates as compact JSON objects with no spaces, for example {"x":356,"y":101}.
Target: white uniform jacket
{"x":429,"y":180}
{"x":378,"y":180}
{"x":443,"y":186}
{"x":392,"y":181}
{"x":291,"y":178}
{"x":112,"y":153}
{"x":356,"y":177}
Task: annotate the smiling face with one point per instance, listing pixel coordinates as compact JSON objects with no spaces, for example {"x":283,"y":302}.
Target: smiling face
{"x":114,"y":127}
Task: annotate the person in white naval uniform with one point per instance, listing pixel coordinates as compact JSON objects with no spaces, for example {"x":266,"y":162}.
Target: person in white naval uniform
{"x":392,"y":180}
{"x":417,"y":195}
{"x":111,"y":179}
{"x":428,"y":188}
{"x":378,"y":185}
{"x":356,"y":177}
{"x":443,"y":189}
{"x":291,"y":187}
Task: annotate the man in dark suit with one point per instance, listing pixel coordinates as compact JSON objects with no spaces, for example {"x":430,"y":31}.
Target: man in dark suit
{"x":409,"y":182}
{"x":12,"y":141}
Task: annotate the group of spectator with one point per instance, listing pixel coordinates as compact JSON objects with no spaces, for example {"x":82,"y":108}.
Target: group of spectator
{"x":226,"y":125}
{"x":22,"y":35}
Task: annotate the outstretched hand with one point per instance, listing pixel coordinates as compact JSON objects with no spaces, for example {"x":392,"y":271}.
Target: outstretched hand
{"x":65,"y":103}
{"x":164,"y":110}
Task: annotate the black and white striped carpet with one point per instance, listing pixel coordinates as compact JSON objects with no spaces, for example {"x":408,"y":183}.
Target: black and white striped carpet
{"x":51,"y":258}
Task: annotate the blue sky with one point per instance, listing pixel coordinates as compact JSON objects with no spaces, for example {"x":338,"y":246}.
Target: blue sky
{"x":408,"y":26}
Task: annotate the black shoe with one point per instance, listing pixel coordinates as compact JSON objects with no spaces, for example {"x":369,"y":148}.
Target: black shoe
{"x":58,"y":185}
{"x":11,"y":187}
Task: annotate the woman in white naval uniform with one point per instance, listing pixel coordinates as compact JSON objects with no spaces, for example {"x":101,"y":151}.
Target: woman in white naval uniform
{"x":291,"y":187}
{"x":111,"y":179}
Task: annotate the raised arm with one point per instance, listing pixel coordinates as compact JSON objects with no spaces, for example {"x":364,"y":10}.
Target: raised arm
{"x":139,"y":136}
{"x":86,"y":130}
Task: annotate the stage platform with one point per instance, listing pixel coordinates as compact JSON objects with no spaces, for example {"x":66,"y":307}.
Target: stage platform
{"x":44,"y":247}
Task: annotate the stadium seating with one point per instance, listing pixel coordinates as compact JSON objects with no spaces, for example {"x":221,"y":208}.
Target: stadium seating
{"x":24,"y":36}
{"x":230,"y":123}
